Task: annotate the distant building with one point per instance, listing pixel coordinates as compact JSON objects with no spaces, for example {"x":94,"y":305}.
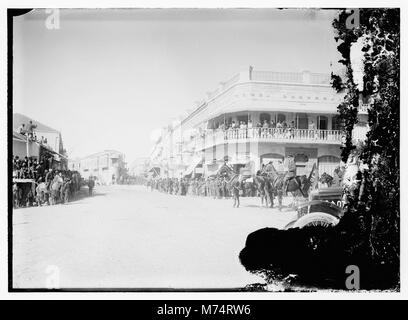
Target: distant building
{"x":139,"y":166}
{"x":107,"y":166}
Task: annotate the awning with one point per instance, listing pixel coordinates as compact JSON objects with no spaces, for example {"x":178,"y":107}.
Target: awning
{"x":19,"y":136}
{"x":155,"y":171}
{"x":57,"y":156}
{"x":23,"y":180}
{"x":196,"y":161}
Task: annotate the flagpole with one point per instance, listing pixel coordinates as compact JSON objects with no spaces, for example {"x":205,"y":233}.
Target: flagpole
{"x":27,"y":147}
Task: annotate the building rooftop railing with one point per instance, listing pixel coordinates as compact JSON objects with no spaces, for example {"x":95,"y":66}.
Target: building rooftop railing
{"x":277,"y":76}
{"x":298,"y":78}
{"x":272,"y":76}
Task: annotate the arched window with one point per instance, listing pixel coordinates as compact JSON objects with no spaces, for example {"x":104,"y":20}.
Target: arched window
{"x":302,"y":122}
{"x":265,"y":116}
{"x":301,"y":157}
{"x":276,"y":159}
{"x":336,"y":123}
{"x":242,"y":118}
{"x":281,"y":117}
{"x":322,"y":124}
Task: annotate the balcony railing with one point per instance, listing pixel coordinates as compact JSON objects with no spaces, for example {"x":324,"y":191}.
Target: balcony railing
{"x":219,"y":136}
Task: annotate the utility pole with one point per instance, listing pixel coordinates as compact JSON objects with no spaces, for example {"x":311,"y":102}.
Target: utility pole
{"x":27,"y":147}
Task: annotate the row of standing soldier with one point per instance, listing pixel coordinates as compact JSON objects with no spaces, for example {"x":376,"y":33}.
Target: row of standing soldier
{"x":215,"y":187}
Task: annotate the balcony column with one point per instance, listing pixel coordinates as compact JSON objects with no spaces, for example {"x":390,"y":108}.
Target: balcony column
{"x":246,"y":75}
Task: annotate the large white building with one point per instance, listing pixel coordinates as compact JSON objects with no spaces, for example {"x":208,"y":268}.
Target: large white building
{"x":199,"y":143}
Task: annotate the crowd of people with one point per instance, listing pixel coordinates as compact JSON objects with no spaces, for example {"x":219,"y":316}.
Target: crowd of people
{"x":36,"y":183}
{"x":265,"y":128}
{"x":29,"y":131}
{"x":280,"y":124}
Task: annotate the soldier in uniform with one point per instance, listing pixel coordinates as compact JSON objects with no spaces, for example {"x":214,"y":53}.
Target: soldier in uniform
{"x":65,"y":190}
{"x":235,"y":193}
{"x":91,"y":184}
{"x":291,"y":172}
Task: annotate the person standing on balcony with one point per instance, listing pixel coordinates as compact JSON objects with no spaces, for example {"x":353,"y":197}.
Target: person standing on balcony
{"x":265,"y":124}
{"x":244,"y":129}
{"x":22,"y":129}
{"x":279,"y":127}
{"x":30,"y":129}
{"x":272,"y":126}
{"x":258,"y":129}
{"x":284,"y":128}
{"x":292,"y":128}
{"x":235,"y":129}
{"x":250,"y":129}
{"x":265,"y":129}
{"x":312,"y":129}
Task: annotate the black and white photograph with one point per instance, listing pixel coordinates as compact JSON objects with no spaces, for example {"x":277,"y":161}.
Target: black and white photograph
{"x":223,"y":149}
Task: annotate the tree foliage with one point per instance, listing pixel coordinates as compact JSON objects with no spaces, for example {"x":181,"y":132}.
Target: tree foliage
{"x":368,"y":234}
{"x":373,"y":205}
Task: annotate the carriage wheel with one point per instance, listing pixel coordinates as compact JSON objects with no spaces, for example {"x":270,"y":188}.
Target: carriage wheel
{"x":316,"y":219}
{"x":290,"y":225}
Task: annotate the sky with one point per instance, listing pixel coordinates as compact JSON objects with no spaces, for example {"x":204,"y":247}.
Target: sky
{"x":108,"y":78}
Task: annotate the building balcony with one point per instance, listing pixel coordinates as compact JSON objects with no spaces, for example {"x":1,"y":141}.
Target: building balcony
{"x":266,"y":91}
{"x":257,"y":135}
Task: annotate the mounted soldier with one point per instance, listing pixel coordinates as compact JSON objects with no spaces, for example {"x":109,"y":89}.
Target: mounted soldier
{"x":290,"y":166}
{"x":225,"y":169}
{"x":231,"y":182}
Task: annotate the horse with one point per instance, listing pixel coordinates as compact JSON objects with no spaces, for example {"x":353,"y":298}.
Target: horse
{"x":264,"y":187}
{"x":55,"y":191}
{"x":298,"y":185}
{"x":42,"y":193}
{"x":234,"y":182}
{"x":248,"y":186}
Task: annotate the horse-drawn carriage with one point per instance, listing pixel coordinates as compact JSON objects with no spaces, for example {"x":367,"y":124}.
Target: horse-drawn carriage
{"x":23,"y":191}
{"x":324,"y":208}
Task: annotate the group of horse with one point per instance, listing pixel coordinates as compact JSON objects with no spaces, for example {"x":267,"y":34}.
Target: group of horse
{"x":269,"y":183}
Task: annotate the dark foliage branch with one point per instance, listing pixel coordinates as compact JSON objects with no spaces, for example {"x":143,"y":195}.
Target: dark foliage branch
{"x":374,"y":204}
